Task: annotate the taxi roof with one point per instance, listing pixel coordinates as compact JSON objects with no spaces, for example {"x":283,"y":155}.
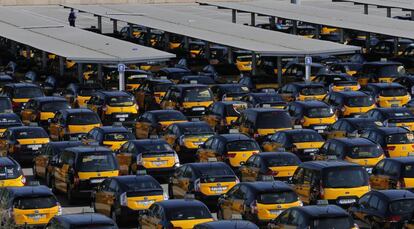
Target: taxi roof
{"x":357,"y":120}
{"x":201,"y":165}
{"x":297,"y":131}
{"x":84,"y":218}
{"x":233,"y":137}
{"x":147,"y":141}
{"x":319,"y":165}
{"x":168,"y":111}
{"x":390,"y":130}
{"x":353,"y":141}
{"x":64,"y":144}
{"x":348,"y":94}
{"x":388,"y":110}
{"x":315,"y":211}
{"x":385,"y":85}
{"x":187,"y":86}
{"x":14,"y":85}
{"x":381,"y":63}
{"x":114,"y":93}
{"x":24,"y":191}
{"x":189,"y":124}
{"x":175,"y":70}
{"x":48,"y":99}
{"x":307,"y":84}
{"x":185,"y":203}
{"x":7,"y":161}
{"x":163,"y":81}
{"x":265,"y":186}
{"x":263,"y":110}
{"x":88,"y":149}
{"x":273,"y":154}
{"x":311,"y":103}
{"x":395,"y":194}
{"x":9,"y":115}
{"x":17,"y":128}
{"x":263,"y":94}
{"x":76,"y":111}
{"x":227,"y":103}
{"x":112,"y":129}
{"x":229,"y":85}
{"x":132,"y":179}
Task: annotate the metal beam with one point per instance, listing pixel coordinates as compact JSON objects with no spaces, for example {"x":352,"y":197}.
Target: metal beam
{"x":252,"y":19}
{"x":388,"y":12}
{"x":341,"y":36}
{"x":44,"y":60}
{"x":80,"y":72}
{"x":148,"y":37}
{"x":279,"y":70}
{"x":254,"y":63}
{"x":61,"y":66}
{"x":100,"y":24}
{"x":166,"y":40}
{"x":317,"y":31}
{"x":207,"y":51}
{"x":233,"y":15}
{"x":230,"y":55}
{"x":115,"y":26}
{"x":366,"y":9}
{"x":100,"y":75}
{"x":28,"y":51}
{"x":368,"y":42}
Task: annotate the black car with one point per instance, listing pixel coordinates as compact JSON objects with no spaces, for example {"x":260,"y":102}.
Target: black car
{"x":81,"y":220}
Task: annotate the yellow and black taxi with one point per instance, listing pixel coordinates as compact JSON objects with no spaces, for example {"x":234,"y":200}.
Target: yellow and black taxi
{"x":123,"y":197}
{"x":191,"y":99}
{"x":72,"y":124}
{"x":388,"y":94}
{"x":393,"y":173}
{"x":151,"y":92}
{"x":230,"y":148}
{"x":5,"y":105}
{"x":207,"y":181}
{"x":9,"y":120}
{"x":386,"y":48}
{"x":393,"y":116}
{"x":81,"y":220}
{"x":337,"y":81}
{"x":395,"y":141}
{"x":313,"y":114}
{"x":338,"y":182}
{"x":41,"y":109}
{"x":29,"y":206}
{"x":407,"y":81}
{"x":187,"y":137}
{"x":384,"y":208}
{"x":350,"y":127}
{"x":269,"y":166}
{"x":350,"y":68}
{"x":302,"y":91}
{"x":244,"y":62}
{"x":265,"y":100}
{"x":304,"y":143}
{"x":356,"y":150}
{"x":236,"y":224}
{"x":78,"y":170}
{"x":174,"y":73}
{"x":229,"y":92}
{"x":183,"y":214}
{"x":379,"y":72}
{"x":112,"y":137}
{"x":222,"y":114}
{"x":296,"y":71}
{"x":258,"y":202}
{"x":154,"y":123}
{"x":11,"y":174}
{"x":134,"y":78}
{"x":79,"y":94}
{"x":114,"y":106}
{"x":22,"y":142}
{"x":315,"y":217}
{"x":43,"y":160}
{"x":131,"y":31}
{"x":350,"y":103}
{"x":155,"y":156}
{"x":20,"y":93}
{"x":259,"y":82}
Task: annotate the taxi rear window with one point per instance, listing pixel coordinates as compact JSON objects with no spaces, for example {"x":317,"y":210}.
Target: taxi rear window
{"x":54,"y":106}
{"x":242,"y":146}
{"x":285,"y":160}
{"x":313,"y":91}
{"x":97,"y":162}
{"x":185,"y":213}
{"x":391,"y":92}
{"x":306,"y":137}
{"x":140,"y":185}
{"x":402,"y":206}
{"x":278,"y":197}
{"x":345,"y":177}
{"x":154,"y":147}
{"x":170,"y":116}
{"x":273,"y":120}
{"x":83,"y":119}
{"x":9,"y":172}
{"x":118,"y":136}
{"x":319,"y":112}
{"x":197,"y":130}
{"x":269,"y":98}
{"x":27,"y":92}
{"x":402,"y":138}
{"x":30,"y":133}
{"x":197,"y":95}
{"x":333,"y":223}
{"x":364,"y":152}
{"x":121,"y":101}
{"x":5,"y":104}
{"x":236,"y":89}
{"x":360,"y":101}
{"x":35,"y":202}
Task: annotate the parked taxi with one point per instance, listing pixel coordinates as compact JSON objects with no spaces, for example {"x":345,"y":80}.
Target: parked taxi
{"x":350,"y":103}
{"x":393,"y":173}
{"x":393,"y":116}
{"x":229,"y":92}
{"x":79,"y":94}
{"x":11,"y":174}
{"x":112,"y":137}
{"x":388,"y":94}
{"x":68,"y":221}
{"x":151,"y":92}
{"x":41,"y":109}
{"x":337,"y":81}
{"x":20,"y":93}
{"x":9,"y":120}
{"x":302,"y":91}
{"x":379,"y":72}
{"x":350,"y":127}
{"x":221,"y":115}
{"x":154,"y":123}
{"x":265,"y":100}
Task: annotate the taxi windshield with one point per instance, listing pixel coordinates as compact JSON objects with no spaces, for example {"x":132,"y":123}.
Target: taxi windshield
{"x":185,"y":213}
{"x":97,"y":162}
{"x":118,"y":136}
{"x":83,"y":119}
{"x":216,"y":171}
{"x":364,"y":101}
{"x":282,"y":161}
{"x":170,"y":116}
{"x":139,"y":185}
{"x":197,"y":95}
{"x":269,"y":99}
{"x":236,"y":89}
{"x":364,"y":152}
{"x":277,"y":197}
{"x":273,"y":120}
{"x":312,"y":91}
{"x":197,"y":130}
{"x":333,"y":223}
{"x":121,"y":101}
{"x":27,"y":92}
{"x":30,"y":133}
{"x":35,"y":202}
{"x":388,"y":71}
{"x":345,"y":177}
{"x":242,"y":146}
{"x":402,"y":138}
{"x":392,"y":92}
{"x":54,"y":106}
{"x":400,"y":207}
{"x":319,"y":112}
{"x":306,"y":137}
{"x":9,"y":172}
{"x":155,"y":147}
{"x":408,"y":171}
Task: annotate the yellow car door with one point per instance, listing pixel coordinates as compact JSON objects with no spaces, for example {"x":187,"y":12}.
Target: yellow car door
{"x":271,"y":146}
{"x":142,"y":129}
{"x":41,"y":162}
{"x":26,"y":115}
{"x":60,"y":177}
{"x":170,"y":138}
{"x":225,"y":208}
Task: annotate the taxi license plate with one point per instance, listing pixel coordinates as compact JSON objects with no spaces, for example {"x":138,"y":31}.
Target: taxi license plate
{"x":159,"y":163}
{"x":34,"y":147}
{"x":275,"y":212}
{"x":145,"y":203}
{"x":320,"y":127}
{"x":346,"y":201}
{"x":122,"y":116}
{"x":96,"y":181}
{"x":37,"y":217}
{"x":218,"y":188}
{"x":198,"y":108}
{"x":198,"y":143}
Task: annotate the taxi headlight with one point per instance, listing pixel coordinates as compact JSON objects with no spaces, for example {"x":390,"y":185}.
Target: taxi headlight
{"x":177,"y":160}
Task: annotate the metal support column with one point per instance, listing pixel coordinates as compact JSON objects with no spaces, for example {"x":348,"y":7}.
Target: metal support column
{"x":317,"y":31}
{"x":395,"y":46}
{"x":230,"y":55}
{"x":294,"y":27}
{"x":61,"y":66}
{"x":100,"y":24}
{"x":412,"y":15}
{"x":368,"y":42}
{"x":28,"y":51}
{"x":365,"y":9}
{"x":166,"y":40}
{"x":187,"y":46}
{"x":44,"y":60}
{"x":100,"y":75}
{"x":341,"y":36}
{"x":130,"y":30}
{"x":307,"y":70}
{"x":148,"y":37}
{"x":121,"y":77}
{"x":80,"y":72}
{"x":13,"y":47}
{"x":272,"y":21}
{"x":252,"y":19}
{"x":207,"y":53}
{"x":388,"y":12}
{"x":279,"y":71}
{"x":233,"y":15}
{"x":254,"y":63}
{"x":115,"y":26}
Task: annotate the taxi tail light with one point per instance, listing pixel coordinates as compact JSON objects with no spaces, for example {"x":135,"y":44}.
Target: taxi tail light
{"x":390,"y":148}
{"x":253,"y":207}
{"x":237,"y":180}
{"x":231,"y":155}
{"x":400,"y":184}
{"x":23,"y":180}
{"x":321,"y":191}
{"x":59,"y":209}
{"x":197,"y":185}
{"x":256,"y":134}
{"x":176,"y":160}
{"x":394,"y":218}
{"x":302,"y":121}
{"x":165,"y":196}
{"x":16,"y":147}
{"x":104,"y":108}
{"x":271,"y":172}
{"x":123,"y":199}
{"x":356,"y":226}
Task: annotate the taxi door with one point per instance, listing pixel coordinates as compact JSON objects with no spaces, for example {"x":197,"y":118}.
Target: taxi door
{"x":61,"y":171}
{"x":124,"y":158}
{"x":41,"y":162}
{"x":140,"y":95}
{"x":206,"y":153}
{"x":272,"y":146}
{"x":170,"y":135}
{"x":303,"y":185}
{"x":211,"y":118}
{"x":286,"y":92}
{"x":152,"y":219}
{"x":4,"y":144}
{"x":142,"y":128}
{"x":250,"y":171}
{"x":181,"y":182}
{"x":28,"y":114}
{"x":104,"y":199}
{"x":170,"y":100}
{"x":232,"y":204}
{"x":379,"y":178}
{"x":56,"y":127}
